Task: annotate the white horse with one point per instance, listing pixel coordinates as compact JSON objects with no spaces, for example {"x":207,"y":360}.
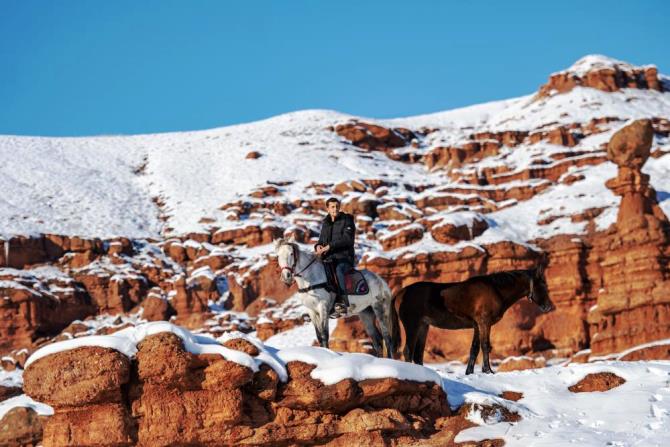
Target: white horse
{"x":307,"y":270}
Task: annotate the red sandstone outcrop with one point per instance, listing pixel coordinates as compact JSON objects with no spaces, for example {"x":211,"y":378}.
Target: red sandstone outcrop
{"x":32,"y":306}
{"x":465,"y":227}
{"x":405,"y":235}
{"x":167,"y":396}
{"x":633,"y":307}
{"x":374,"y":137}
{"x":608,"y":77}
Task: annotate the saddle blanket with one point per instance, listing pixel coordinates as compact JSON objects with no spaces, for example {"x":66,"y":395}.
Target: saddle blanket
{"x":355,"y":283}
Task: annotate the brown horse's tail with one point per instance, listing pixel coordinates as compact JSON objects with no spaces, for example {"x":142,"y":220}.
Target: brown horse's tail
{"x":395,"y":323}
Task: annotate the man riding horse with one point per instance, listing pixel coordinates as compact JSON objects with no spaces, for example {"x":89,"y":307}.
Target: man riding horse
{"x":336,"y":245}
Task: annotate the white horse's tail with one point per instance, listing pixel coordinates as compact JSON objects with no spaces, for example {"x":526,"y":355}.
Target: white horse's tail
{"x":394,"y":323}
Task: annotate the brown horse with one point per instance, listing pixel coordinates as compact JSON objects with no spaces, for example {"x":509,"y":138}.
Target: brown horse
{"x":477,"y":303}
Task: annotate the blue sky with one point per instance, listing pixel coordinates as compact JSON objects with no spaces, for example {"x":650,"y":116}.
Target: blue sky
{"x":123,"y":67}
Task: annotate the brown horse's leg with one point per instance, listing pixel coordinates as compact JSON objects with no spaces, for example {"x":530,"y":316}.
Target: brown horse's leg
{"x":474,"y":351}
{"x":411,"y":332}
{"x":484,"y":339}
{"x":422,"y":334}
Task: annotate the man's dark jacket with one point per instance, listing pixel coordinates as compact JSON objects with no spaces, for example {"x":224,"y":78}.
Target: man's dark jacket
{"x":340,"y":235}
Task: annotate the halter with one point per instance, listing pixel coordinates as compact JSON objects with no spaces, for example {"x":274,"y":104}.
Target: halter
{"x":291,"y":269}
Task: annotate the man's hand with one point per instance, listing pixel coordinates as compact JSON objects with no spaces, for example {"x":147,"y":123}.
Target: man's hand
{"x":320,"y":249}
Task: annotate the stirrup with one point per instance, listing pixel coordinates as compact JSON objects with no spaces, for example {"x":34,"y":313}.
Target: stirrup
{"x":334,"y":315}
{"x":340,"y":308}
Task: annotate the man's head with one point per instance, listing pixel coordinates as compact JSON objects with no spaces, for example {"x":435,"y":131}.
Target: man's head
{"x":333,"y":207}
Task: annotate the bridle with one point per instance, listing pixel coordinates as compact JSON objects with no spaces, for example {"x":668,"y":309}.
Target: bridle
{"x":291,"y":268}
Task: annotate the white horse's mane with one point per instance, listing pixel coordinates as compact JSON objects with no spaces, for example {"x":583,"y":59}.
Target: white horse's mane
{"x":282,"y":241}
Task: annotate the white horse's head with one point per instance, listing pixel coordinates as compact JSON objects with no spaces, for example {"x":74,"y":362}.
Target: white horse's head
{"x":287,"y":258}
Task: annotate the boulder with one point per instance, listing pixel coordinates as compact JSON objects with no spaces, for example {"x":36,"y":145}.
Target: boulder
{"x":602,"y":381}
{"x":630,"y":146}
{"x":80,"y":376}
{"x":21,"y":426}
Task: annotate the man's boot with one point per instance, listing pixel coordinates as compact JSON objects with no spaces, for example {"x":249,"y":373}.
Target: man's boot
{"x":345,"y":302}
{"x":342,"y":305}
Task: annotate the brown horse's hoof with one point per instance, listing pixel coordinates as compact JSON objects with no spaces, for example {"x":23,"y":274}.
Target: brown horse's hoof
{"x":488,"y":371}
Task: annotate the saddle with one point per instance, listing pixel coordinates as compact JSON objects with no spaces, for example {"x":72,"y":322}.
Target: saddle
{"x":354,"y":281}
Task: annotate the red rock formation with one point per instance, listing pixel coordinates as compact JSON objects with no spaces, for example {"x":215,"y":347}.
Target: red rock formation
{"x":259,"y":280}
{"x":250,"y":235}
{"x":660,"y":351}
{"x":29,"y":309}
{"x":111,"y":292}
{"x":374,"y":137}
{"x":608,"y":79}
{"x":633,"y":307}
{"x":170,"y":396}
{"x":450,"y":232}
{"x":405,"y":235}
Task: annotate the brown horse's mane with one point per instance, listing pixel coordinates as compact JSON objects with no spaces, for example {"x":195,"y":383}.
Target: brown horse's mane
{"x":505,"y":279}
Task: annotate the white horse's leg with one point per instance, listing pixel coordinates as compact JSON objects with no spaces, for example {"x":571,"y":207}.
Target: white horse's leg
{"x":380,"y":313}
{"x":367,"y":317}
{"x":322,"y":311}
{"x":314,"y":316}
{"x":317,"y":308}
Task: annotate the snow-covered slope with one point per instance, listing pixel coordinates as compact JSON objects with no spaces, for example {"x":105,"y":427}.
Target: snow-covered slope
{"x":111,"y":186}
{"x":635,"y":413}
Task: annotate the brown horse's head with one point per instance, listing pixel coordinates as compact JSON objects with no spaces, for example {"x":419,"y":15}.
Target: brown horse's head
{"x":539,"y":293}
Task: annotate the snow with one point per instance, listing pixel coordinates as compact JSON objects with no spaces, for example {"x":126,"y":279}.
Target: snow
{"x":596,"y":62}
{"x":365,"y":366}
{"x":12,"y":378}
{"x":635,"y":413}
{"x":303,"y":335}
{"x":126,"y":341}
{"x":332,"y":367}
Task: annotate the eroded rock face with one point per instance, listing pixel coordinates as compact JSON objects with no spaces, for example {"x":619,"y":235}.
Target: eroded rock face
{"x":168,"y":396}
{"x":633,"y":306}
{"x":31,"y":307}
